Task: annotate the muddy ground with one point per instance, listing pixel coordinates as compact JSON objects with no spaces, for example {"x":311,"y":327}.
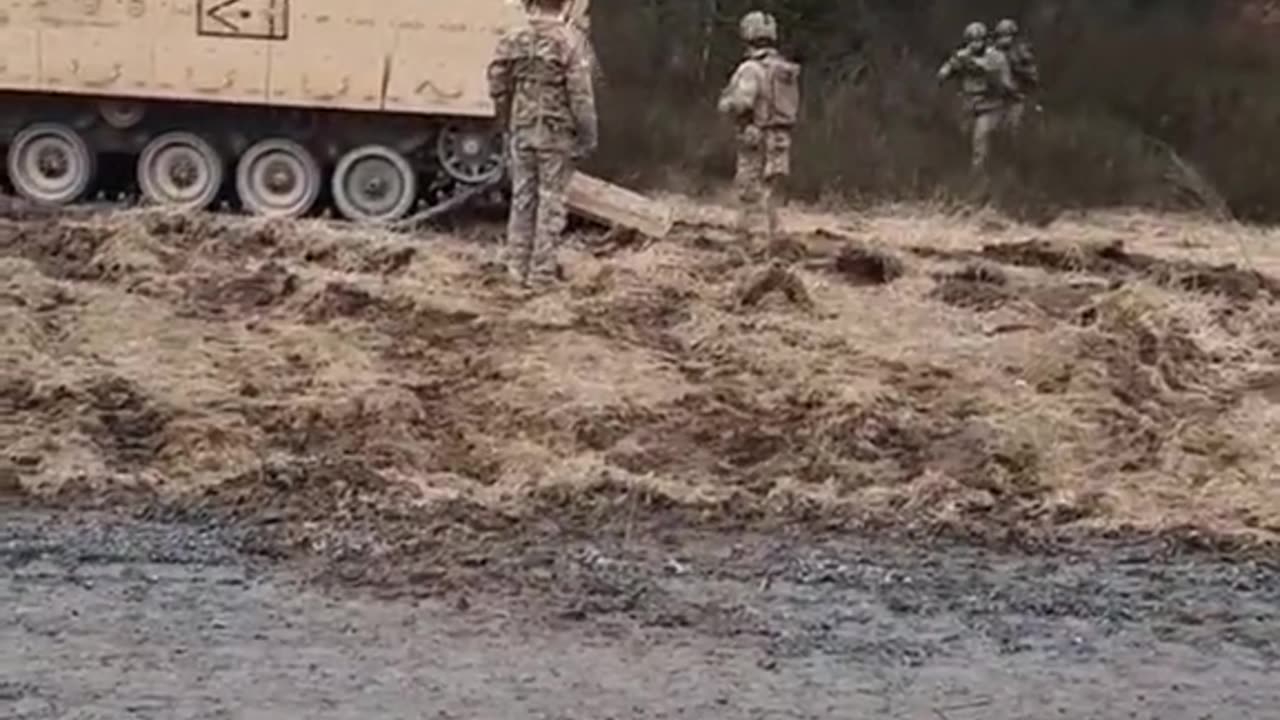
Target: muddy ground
{"x":114,"y":617}
{"x":886,"y":466}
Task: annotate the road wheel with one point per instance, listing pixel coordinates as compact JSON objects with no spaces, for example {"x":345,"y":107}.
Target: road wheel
{"x":470,"y":154}
{"x":180,"y":169}
{"x":278,"y":178}
{"x":122,"y":114}
{"x":51,"y":164}
{"x":374,"y":184}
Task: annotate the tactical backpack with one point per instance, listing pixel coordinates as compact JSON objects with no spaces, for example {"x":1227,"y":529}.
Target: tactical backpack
{"x":781,"y":105}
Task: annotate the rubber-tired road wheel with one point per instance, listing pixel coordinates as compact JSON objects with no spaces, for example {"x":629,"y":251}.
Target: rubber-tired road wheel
{"x":278,"y":178}
{"x":51,"y":164}
{"x":180,"y":169}
{"x":374,"y":184}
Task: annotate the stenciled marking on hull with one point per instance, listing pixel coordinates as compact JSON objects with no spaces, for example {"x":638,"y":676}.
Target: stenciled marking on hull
{"x":243,"y":19}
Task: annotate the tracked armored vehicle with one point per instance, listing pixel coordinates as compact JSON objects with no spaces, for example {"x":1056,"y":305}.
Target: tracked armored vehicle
{"x":378,"y":105}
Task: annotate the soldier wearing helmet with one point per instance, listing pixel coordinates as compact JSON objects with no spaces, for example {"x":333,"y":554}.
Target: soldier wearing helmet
{"x":540,"y":83}
{"x":975,"y":43}
{"x":986,"y":82}
{"x":1022,"y":62}
{"x":762,"y":98}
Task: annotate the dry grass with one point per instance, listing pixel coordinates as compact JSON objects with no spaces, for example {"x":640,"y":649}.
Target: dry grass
{"x":180,"y":354}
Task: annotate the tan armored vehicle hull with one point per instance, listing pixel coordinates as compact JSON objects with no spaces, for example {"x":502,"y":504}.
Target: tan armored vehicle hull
{"x":379,"y":104}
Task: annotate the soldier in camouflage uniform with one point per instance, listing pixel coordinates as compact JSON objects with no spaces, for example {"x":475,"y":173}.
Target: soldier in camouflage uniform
{"x":987,"y":84}
{"x":1022,"y":62}
{"x":540,"y":82}
{"x":762,"y":98}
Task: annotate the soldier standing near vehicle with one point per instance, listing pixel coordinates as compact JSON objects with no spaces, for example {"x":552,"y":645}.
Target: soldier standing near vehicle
{"x":540,"y":82}
{"x":986,"y":81}
{"x":763,"y":99}
{"x":1022,"y":63}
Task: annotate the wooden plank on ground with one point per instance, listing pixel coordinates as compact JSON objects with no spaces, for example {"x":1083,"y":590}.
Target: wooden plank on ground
{"x":611,"y":204}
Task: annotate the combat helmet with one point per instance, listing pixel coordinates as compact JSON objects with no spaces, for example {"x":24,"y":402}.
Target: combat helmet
{"x":531,"y":5}
{"x":975,"y":32}
{"x":1007,"y":27}
{"x":758,"y":27}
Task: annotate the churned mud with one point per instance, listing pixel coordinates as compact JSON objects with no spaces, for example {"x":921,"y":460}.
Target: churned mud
{"x":848,"y":377}
{"x":907,"y":467}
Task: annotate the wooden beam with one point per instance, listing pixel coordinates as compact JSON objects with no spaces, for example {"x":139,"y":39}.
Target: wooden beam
{"x":604,"y":202}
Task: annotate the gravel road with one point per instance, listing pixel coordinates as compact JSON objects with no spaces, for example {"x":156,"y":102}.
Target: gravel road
{"x":109,"y":617}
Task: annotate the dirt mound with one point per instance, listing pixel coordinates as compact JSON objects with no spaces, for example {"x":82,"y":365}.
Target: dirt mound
{"x":1156,"y":374}
{"x":775,"y":279}
{"x":978,"y":286}
{"x":337,"y":376}
{"x":11,"y":486}
{"x":127,"y":427}
{"x":314,"y":491}
{"x":265,"y":287}
{"x":341,"y":300}
{"x":59,"y":250}
{"x":1112,"y":260}
{"x":866,"y":265}
{"x":985,"y":287}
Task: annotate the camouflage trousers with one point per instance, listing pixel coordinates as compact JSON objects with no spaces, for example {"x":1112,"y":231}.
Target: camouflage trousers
{"x":764,"y":161}
{"x":539,"y":183}
{"x":1017,"y":111}
{"x":985,"y":124}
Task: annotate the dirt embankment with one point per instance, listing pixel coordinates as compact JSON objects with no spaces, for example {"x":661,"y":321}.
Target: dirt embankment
{"x":930,"y":374}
